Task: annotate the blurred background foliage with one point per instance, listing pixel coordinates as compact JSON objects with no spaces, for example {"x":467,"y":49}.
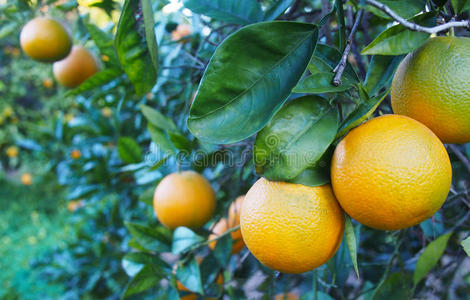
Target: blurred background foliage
{"x":94,"y":160}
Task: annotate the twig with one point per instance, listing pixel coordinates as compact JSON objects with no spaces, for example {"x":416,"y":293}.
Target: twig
{"x":414,"y":26}
{"x":342,"y":63}
{"x":460,"y":155}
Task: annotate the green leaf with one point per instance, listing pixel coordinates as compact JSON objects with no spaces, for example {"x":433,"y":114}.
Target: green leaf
{"x":129,"y":151}
{"x":396,"y":286}
{"x":133,"y":262}
{"x":460,"y":6}
{"x":322,"y":83}
{"x":249,"y":77}
{"x":223,"y":250}
{"x":404,"y":8}
{"x":277,"y":9}
{"x":430,"y":257}
{"x":326,"y":58}
{"x":398,"y":40}
{"x":361,"y":113}
{"x":131,"y":43}
{"x":158,"y":119}
{"x":313,"y":176}
{"x":189,"y":275}
{"x":466,"y":245}
{"x":161,"y":139}
{"x":380,"y":73}
{"x":147,"y":196}
{"x":150,"y":37}
{"x":295,"y":139}
{"x":147,"y":278}
{"x":341,"y":24}
{"x":152,"y":238}
{"x":230,"y":11}
{"x":103,"y":41}
{"x":352,"y":243}
{"x":183,"y":239}
{"x":97,"y":80}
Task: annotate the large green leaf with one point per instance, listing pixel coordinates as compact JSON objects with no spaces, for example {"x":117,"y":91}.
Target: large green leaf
{"x":129,"y":151}
{"x":380,"y":72}
{"x":132,"y":45}
{"x":147,"y":278}
{"x":466,"y":245}
{"x":151,"y":238}
{"x":396,"y":286}
{"x":295,"y":139}
{"x":326,"y":58}
{"x":430,"y":256}
{"x":183,"y":239}
{"x":361,"y":113}
{"x":322,"y":82}
{"x":398,"y":39}
{"x":97,"y":80}
{"x":277,"y":9}
{"x":189,"y":275}
{"x":103,"y":41}
{"x":230,"y":11}
{"x":133,"y":262}
{"x":249,"y":77}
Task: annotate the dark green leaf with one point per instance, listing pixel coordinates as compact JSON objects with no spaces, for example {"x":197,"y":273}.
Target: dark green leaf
{"x":189,"y":275}
{"x":158,"y":119}
{"x":147,"y":278}
{"x":154,"y":239}
{"x":397,"y":286}
{"x":249,"y":77}
{"x":223,"y":250}
{"x":398,"y":40}
{"x":150,"y":37}
{"x":147,"y":196}
{"x":361,"y":113}
{"x":97,"y":80}
{"x":352,"y":243}
{"x":404,"y":8}
{"x":132,"y":47}
{"x":183,"y":239}
{"x":129,"y":151}
{"x":322,"y":83}
{"x":161,"y":139}
{"x":230,"y":11}
{"x":295,"y":139}
{"x":134,"y":262}
{"x":430,"y":256}
{"x":277,"y":9}
{"x":460,"y":6}
{"x":341,"y":24}
{"x":313,"y":176}
{"x":380,"y":72}
{"x":466,"y":245}
{"x":326,"y":58}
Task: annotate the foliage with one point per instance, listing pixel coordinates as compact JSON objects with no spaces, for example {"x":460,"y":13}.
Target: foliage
{"x":160,"y":105}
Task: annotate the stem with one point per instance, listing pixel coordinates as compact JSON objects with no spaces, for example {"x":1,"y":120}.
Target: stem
{"x":416,"y":27}
{"x":460,"y":155}
{"x":217,"y":237}
{"x":344,"y":59}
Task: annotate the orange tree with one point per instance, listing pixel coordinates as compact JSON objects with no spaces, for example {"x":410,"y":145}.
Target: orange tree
{"x":237,"y":90}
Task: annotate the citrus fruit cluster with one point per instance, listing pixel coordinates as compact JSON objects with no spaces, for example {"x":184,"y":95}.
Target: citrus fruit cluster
{"x":46,"y":40}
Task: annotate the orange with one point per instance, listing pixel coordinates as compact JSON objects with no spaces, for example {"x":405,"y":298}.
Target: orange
{"x":48,"y":83}
{"x":75,"y":68}
{"x":106,"y":112}
{"x":45,"y":39}
{"x":76,"y":154}
{"x":12,"y":151}
{"x":288,"y":296}
{"x":184,"y":199}
{"x":226,"y":224}
{"x":290,"y":227}
{"x":181,"y":31}
{"x":27,"y":179}
{"x":432,"y":85}
{"x":391,"y":172}
{"x":74,"y":205}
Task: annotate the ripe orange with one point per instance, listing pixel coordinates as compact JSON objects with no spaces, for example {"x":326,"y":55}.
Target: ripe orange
{"x":432,"y":85}
{"x":12,"y":151}
{"x":45,"y":39}
{"x":76,"y":154}
{"x":75,"y":68}
{"x":391,"y":172}
{"x":48,"y":83}
{"x":184,"y":199}
{"x":226,"y":224}
{"x":27,"y":179}
{"x":288,"y":296}
{"x":290,"y":227}
{"x":106,"y":112}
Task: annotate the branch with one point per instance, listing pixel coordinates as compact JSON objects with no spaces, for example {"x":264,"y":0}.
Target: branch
{"x":460,"y":155}
{"x":344,"y":59}
{"x":416,"y":27}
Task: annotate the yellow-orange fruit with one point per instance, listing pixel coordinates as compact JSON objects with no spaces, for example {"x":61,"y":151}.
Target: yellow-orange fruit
{"x":391,"y":172}
{"x":45,"y":39}
{"x":27,"y":179}
{"x":184,"y":199}
{"x":48,"y":83}
{"x":290,"y":227}
{"x":432,"y":85}
{"x":181,"y":31}
{"x":76,"y":154}
{"x":225,"y":224}
{"x":288,"y":296}
{"x":75,"y":68}
{"x":12,"y":151}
